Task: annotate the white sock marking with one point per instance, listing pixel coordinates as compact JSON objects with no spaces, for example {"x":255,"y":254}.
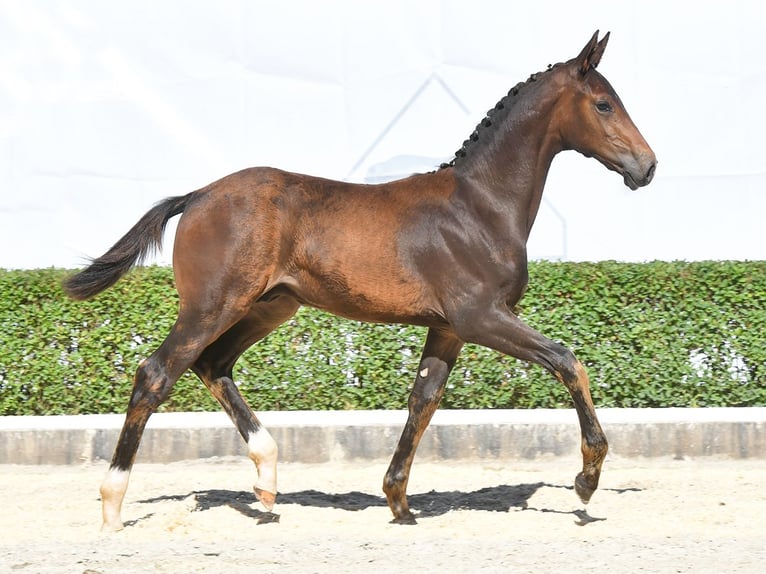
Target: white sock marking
{"x":263,"y":451}
{"x":113,"y":490}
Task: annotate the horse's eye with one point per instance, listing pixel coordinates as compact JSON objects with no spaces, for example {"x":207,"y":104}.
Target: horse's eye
{"x":604,"y":107}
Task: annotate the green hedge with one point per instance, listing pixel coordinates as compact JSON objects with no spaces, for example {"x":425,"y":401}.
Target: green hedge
{"x":652,"y":335}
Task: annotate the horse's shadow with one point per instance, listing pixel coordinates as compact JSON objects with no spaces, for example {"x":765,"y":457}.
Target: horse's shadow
{"x":502,"y":498}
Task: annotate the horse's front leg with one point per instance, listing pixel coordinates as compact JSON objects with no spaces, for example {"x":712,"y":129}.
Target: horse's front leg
{"x":439,"y":355}
{"x":593,"y":442}
{"x":501,"y":330}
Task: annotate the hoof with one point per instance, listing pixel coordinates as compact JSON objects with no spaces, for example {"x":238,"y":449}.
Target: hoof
{"x":407,"y":518}
{"x":114,"y":527}
{"x":266,"y":498}
{"x":268,"y":518}
{"x":583,"y":489}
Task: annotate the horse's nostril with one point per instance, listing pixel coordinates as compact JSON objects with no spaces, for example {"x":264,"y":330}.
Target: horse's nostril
{"x":650,"y":173}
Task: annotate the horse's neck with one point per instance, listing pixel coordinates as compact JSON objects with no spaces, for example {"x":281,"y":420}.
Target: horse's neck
{"x":510,"y":173}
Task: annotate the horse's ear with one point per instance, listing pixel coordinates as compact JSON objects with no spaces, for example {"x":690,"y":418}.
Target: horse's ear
{"x":591,"y":53}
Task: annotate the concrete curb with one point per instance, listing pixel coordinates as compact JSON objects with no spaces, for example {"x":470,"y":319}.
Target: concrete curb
{"x":314,"y":436}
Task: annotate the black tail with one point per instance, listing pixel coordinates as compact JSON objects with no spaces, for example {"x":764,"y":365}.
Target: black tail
{"x":144,"y":237}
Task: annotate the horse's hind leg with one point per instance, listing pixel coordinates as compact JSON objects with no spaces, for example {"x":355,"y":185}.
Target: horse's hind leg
{"x":154,"y":379}
{"x":214,"y":367}
{"x":438,"y":358}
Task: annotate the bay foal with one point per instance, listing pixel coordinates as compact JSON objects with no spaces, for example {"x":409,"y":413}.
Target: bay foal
{"x":445,"y":250}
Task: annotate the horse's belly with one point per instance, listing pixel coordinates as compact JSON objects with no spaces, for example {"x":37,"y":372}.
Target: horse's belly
{"x":368,"y":298}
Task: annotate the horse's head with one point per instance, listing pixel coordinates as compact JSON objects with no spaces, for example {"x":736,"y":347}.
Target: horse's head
{"x":594,"y":122}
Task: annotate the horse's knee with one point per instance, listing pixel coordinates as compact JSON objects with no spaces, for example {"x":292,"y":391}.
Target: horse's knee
{"x":566,"y":367}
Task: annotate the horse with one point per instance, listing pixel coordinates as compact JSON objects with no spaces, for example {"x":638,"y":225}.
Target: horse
{"x":445,"y":250}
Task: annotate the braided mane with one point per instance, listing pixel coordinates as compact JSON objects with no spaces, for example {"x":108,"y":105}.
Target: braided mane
{"x":494,"y":117}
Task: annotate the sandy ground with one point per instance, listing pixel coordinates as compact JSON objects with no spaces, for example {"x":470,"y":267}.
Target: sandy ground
{"x":498,"y":516}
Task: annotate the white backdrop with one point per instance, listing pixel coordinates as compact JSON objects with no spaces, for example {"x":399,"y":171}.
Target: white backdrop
{"x":107,"y":107}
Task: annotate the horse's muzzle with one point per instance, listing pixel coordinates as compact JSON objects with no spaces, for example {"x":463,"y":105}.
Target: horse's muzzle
{"x":641,"y":176}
